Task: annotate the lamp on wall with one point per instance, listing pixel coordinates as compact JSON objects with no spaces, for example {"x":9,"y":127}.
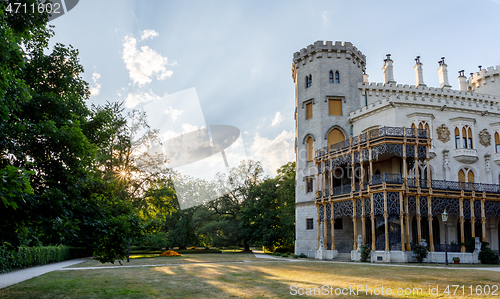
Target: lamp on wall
{"x":445,"y":220}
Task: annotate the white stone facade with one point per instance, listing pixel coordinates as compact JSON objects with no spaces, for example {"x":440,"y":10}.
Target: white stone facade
{"x":366,"y":106}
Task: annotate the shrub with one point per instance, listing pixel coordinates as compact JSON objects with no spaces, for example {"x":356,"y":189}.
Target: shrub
{"x":365,"y":252}
{"x":487,"y":256}
{"x":302,"y":255}
{"x":285,"y":255}
{"x":285,"y":249}
{"x":192,"y":247}
{"x":276,"y":253}
{"x":191,"y":251}
{"x":25,"y":257}
{"x":170,"y":253}
{"x":420,"y":252}
{"x":295,"y":256}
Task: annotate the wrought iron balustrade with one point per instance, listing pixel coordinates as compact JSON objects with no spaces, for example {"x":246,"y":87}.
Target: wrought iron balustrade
{"x":377,"y":133}
{"x":344,"y":189}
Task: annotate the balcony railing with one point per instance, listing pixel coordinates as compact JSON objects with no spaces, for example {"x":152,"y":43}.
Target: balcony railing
{"x":396,"y":178}
{"x":374,"y":134}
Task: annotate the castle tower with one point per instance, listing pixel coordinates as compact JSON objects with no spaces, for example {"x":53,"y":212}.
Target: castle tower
{"x":326,"y":77}
{"x":486,"y":81}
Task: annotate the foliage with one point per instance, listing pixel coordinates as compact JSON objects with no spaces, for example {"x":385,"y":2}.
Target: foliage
{"x":33,"y":256}
{"x":420,"y":252}
{"x":365,"y":252}
{"x":486,"y":255}
{"x":170,"y":253}
{"x":302,"y":255}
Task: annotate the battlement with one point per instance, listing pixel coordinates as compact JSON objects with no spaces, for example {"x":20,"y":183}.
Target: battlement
{"x":484,"y":73}
{"x":329,"y":46}
{"x":382,"y":95}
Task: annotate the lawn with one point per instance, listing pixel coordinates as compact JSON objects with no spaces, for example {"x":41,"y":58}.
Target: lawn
{"x":241,"y":275}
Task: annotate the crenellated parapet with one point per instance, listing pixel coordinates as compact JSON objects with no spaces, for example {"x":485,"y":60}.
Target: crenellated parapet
{"x":329,"y":49}
{"x":486,"y":80}
{"x":380,"y":95}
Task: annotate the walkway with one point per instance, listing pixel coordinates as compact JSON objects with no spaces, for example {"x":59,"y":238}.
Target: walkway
{"x":8,"y":279}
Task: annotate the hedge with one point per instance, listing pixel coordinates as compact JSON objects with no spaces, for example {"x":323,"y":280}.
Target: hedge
{"x":187,"y":251}
{"x":25,"y":257}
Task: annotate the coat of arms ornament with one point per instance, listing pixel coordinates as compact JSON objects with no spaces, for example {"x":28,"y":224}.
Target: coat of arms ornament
{"x":443,"y":133}
{"x":484,"y":138}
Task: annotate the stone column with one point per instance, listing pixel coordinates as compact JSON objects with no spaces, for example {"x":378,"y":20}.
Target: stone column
{"x":355,"y":227}
{"x":325,"y":225}
{"x":386,"y":221}
{"x":419,"y":218}
{"x":462,"y":220}
{"x":332,"y":228}
{"x":429,"y":218}
{"x":372,"y":216}
{"x":363,"y":220}
{"x":401,"y":220}
{"x":472,"y":219}
{"x":483,"y":216}
{"x":407,"y":226}
{"x":319,"y":226}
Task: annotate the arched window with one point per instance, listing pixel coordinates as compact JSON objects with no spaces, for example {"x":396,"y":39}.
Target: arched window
{"x":469,"y":138}
{"x":463,"y":138}
{"x":309,"y":149}
{"x":337,"y":77}
{"x":457,"y":138}
{"x":497,"y":143}
{"x":331,"y":77}
{"x":335,"y":136}
{"x":466,"y":175}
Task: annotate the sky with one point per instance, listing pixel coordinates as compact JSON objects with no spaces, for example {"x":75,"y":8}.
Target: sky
{"x":234,"y":58}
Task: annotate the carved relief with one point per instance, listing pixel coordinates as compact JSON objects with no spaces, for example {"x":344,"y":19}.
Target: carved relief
{"x":484,"y":138}
{"x":443,"y":133}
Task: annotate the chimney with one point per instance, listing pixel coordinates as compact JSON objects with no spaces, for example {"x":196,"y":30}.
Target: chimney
{"x":419,"y":72}
{"x":388,"y":70}
{"x":462,"y":81}
{"x":443,"y":74}
{"x":365,"y":77}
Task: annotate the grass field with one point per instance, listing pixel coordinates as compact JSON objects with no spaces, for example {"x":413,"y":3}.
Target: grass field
{"x":243,"y":276}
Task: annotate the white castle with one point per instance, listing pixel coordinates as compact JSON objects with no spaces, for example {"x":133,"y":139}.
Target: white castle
{"x":383,"y":161}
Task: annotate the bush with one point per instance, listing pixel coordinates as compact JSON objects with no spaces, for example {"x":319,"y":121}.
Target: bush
{"x":285,"y":255}
{"x":295,"y":256}
{"x":285,"y":249}
{"x":420,"y":252}
{"x":170,"y":253}
{"x":25,"y":257}
{"x":302,"y":255}
{"x":276,"y":253}
{"x":365,"y":252}
{"x":487,"y":256}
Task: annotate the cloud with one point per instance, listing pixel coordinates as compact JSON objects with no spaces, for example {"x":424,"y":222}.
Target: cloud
{"x":144,"y":63}
{"x":96,"y":87}
{"x":174,"y":113}
{"x":278,"y":118}
{"x":149,"y":33}
{"x":273,"y":153}
{"x":325,"y":17}
{"x":188,"y":128}
{"x":495,"y":1}
{"x":133,"y":100}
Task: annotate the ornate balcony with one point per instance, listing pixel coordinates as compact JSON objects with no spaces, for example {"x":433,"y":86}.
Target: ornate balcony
{"x":465,"y":155}
{"x":397,"y":179}
{"x":496,"y":158}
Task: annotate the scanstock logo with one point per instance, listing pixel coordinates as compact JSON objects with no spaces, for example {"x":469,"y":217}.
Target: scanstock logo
{"x":57,"y":8}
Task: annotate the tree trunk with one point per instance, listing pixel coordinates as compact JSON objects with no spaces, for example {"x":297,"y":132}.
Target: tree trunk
{"x":246,"y":246}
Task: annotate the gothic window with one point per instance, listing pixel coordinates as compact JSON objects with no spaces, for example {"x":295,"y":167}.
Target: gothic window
{"x":335,"y":136}
{"x":425,"y":124}
{"x":331,"y":77}
{"x":309,"y":81}
{"x":335,"y":107}
{"x":463,"y":137}
{"x":466,"y":175}
{"x":309,"y":223}
{"x":309,"y":149}
{"x":309,"y":185}
{"x":309,"y":110}
{"x":337,"y":77}
{"x":497,"y":143}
